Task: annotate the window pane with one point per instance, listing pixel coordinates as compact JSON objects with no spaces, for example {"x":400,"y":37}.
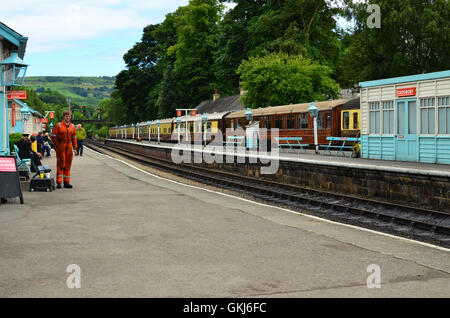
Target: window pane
{"x":448,"y":120}
{"x":328,"y":121}
{"x":431,"y":121}
{"x":372,"y":122}
{"x":355,"y":121}
{"x":441,"y":120}
{"x":320,"y":121}
{"x":290,"y":122}
{"x":386,"y":122}
{"x":412,"y":118}
{"x":346,"y":120}
{"x":377,"y":122}
{"x":424,"y":121}
{"x":279,"y":123}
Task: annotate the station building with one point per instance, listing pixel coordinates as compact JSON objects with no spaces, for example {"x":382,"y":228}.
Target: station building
{"x":407,"y":118}
{"x":12,"y":45}
{"x":23,"y":118}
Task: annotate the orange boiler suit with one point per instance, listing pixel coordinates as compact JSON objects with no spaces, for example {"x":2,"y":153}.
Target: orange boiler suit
{"x":64,"y":138}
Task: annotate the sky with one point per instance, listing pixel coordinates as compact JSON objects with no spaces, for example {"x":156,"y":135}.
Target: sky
{"x":82,"y":37}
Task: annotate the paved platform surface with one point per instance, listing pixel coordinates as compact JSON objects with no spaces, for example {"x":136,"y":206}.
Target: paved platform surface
{"x":310,"y":157}
{"x":136,"y":235}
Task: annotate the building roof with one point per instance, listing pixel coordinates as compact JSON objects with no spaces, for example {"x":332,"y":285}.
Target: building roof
{"x":220,"y":105}
{"x":293,"y":108}
{"x":31,"y":110}
{"x":405,"y":79}
{"x":14,"y":37}
{"x":352,"y":104}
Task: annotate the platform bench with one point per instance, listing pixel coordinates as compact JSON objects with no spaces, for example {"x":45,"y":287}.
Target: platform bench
{"x":290,"y":143}
{"x":338,"y":148}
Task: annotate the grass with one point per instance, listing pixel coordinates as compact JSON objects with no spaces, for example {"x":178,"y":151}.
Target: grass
{"x":82,"y":90}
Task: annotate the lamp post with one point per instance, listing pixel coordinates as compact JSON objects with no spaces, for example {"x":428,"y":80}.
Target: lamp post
{"x":26,"y":114}
{"x":51,"y":127}
{"x":115,"y":128}
{"x":249,"y":115}
{"x":313,"y":112}
{"x":138,"y":125}
{"x":205,"y":121}
{"x":132,"y":129}
{"x":148,"y":125}
{"x":13,"y":71}
{"x":179,"y":127}
{"x":158,"y":123}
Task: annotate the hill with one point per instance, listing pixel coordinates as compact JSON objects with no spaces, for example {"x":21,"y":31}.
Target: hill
{"x":87,"y":91}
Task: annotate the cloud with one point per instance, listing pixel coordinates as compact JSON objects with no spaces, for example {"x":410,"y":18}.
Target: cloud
{"x":59,"y":24}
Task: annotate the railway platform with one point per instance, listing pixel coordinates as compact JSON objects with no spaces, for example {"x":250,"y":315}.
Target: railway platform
{"x":134,"y":234}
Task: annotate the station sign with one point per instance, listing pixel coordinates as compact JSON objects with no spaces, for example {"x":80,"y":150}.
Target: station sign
{"x":403,"y":92}
{"x":178,"y":113}
{"x":52,"y":114}
{"x":43,"y":120}
{"x":194,"y":112}
{"x":17,"y":95}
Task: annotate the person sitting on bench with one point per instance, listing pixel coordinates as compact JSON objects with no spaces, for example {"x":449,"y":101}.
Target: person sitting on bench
{"x":25,"y":151}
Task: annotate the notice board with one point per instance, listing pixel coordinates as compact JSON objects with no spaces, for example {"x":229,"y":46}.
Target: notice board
{"x":9,"y":178}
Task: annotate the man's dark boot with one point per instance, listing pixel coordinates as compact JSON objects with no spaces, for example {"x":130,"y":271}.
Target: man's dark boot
{"x":58,"y":186}
{"x":67,"y":185}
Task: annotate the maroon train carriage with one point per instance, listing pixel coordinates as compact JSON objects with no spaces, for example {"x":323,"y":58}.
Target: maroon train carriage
{"x":294,"y":120}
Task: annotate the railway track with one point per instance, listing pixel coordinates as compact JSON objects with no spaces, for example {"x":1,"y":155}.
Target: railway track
{"x":412,"y":222}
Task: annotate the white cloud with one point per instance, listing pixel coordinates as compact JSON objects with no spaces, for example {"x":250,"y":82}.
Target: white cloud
{"x":57,"y":24}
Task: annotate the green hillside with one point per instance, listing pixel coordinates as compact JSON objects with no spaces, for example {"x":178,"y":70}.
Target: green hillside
{"x":87,"y":91}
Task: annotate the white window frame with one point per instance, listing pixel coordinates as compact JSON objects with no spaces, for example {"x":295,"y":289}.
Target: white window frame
{"x":437,"y":113}
{"x":375,"y":110}
{"x":433,"y":98}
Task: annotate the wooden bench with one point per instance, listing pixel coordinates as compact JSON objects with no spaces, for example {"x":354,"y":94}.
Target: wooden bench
{"x":290,"y":143}
{"x":338,"y":148}
{"x":234,"y":141}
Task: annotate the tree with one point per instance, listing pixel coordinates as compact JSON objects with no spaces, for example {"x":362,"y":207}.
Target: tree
{"x":414,"y":38}
{"x":197,"y":28}
{"x":281,"y":79}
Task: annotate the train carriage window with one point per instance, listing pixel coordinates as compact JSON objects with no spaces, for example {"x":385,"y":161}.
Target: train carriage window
{"x":231,"y":123}
{"x":320,"y":121}
{"x":328,"y":122}
{"x":191,"y":128}
{"x":208,"y":127}
{"x":267,"y":122}
{"x":290,"y":121}
{"x":346,"y":120}
{"x":279,"y":122}
{"x":238,"y":124}
{"x":355,"y":120}
{"x":303,"y":121}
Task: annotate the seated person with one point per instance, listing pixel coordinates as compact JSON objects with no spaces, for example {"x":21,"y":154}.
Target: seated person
{"x":25,"y":151}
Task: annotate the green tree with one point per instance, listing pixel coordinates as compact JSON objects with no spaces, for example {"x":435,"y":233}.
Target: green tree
{"x":281,"y":79}
{"x":197,"y":30}
{"x":414,"y":38}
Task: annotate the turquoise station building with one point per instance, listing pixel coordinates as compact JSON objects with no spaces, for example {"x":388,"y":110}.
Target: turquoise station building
{"x":407,"y":118}
{"x":12,"y":51}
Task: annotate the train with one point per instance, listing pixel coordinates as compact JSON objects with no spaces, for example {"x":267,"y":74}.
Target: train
{"x":336,"y":118}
